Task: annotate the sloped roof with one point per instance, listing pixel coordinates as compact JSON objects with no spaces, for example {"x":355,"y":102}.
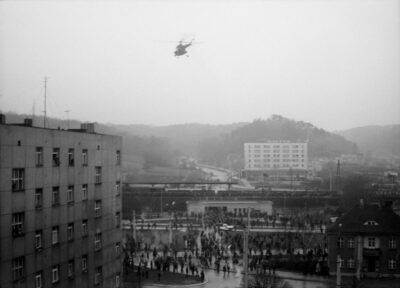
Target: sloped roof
{"x":354,"y":220}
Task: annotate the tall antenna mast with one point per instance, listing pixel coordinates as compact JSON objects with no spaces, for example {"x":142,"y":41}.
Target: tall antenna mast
{"x":45,"y":102}
{"x":33,"y":110}
{"x":67,"y":111}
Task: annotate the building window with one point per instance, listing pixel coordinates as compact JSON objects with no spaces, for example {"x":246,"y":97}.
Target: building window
{"x":351,"y":243}
{"x":340,"y":242}
{"x":117,"y":188}
{"x":84,"y":228}
{"x":341,"y":263}
{"x":371,"y":223}
{"x":39,"y":156}
{"x":98,"y":275}
{"x":18,"y":179}
{"x":71,"y":157}
{"x":371,"y":242}
{"x":71,"y":269}
{"x":38,"y":279}
{"x":55,"y":200}
{"x":38,"y":198}
{"x":350,"y":263}
{"x":55,"y":277}
{"x":54,"y":235}
{"x":56,"y":156}
{"x":392,"y":243}
{"x":97,"y":175}
{"x":38,"y":239}
{"x":117,"y":219}
{"x":97,"y":208}
{"x":17,"y":224}
{"x":70,"y":194}
{"x":84,"y":263}
{"x":70,"y":231}
{"x":85,"y":157}
{"x":97,"y":241}
{"x":84,"y":192}
{"x":18,"y":268}
{"x":117,"y":280}
{"x":392,"y":264}
{"x":118,"y":157}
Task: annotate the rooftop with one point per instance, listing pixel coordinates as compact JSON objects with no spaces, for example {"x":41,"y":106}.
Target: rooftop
{"x":367,"y":219}
{"x":28,"y":122}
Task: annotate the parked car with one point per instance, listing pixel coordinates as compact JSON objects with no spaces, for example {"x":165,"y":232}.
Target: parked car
{"x":226,"y":227}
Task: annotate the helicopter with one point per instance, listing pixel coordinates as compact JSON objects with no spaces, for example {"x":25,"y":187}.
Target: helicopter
{"x":181,"y":48}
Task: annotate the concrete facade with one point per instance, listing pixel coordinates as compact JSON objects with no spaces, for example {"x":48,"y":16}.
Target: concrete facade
{"x":234,"y":207}
{"x":60,"y":207}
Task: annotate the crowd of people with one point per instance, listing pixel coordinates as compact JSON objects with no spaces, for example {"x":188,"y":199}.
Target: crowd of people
{"x":144,"y":261}
{"x":213,"y":248}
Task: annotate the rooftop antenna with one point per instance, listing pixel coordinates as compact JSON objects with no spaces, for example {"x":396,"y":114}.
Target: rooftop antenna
{"x":45,"y":102}
{"x":67,"y":111}
{"x":33,"y":109}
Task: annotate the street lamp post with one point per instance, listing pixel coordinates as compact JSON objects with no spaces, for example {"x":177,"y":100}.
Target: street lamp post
{"x":246,"y":250}
{"x":339,"y":261}
{"x":134,"y":225}
{"x":161,"y":203}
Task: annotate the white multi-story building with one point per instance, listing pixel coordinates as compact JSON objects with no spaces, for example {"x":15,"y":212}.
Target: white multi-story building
{"x":276,"y":155}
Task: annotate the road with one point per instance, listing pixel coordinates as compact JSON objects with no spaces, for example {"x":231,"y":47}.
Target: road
{"x":224,"y":175}
{"x":215,"y":279}
{"x":234,"y":280}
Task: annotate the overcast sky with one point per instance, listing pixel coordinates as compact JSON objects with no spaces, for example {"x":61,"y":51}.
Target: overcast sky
{"x":335,"y":63}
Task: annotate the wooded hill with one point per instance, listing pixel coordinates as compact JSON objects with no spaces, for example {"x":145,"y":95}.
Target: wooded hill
{"x":146,"y":146}
{"x":381,"y":141}
{"x":228,"y":148}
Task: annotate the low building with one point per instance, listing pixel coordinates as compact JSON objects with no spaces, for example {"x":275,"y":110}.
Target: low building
{"x":234,"y":207}
{"x":365,"y":242}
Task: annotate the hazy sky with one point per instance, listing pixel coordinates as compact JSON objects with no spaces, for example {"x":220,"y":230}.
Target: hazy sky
{"x":333,"y":63}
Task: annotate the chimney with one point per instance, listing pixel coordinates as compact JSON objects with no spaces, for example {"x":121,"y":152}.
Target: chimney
{"x":28,"y":122}
{"x":88,"y":127}
{"x":2,"y":119}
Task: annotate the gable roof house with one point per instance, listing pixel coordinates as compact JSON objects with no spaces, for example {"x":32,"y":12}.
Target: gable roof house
{"x":365,"y":242}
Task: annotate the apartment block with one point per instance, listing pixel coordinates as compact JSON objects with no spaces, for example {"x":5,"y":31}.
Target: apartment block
{"x":276,"y":155}
{"x":60,"y":207}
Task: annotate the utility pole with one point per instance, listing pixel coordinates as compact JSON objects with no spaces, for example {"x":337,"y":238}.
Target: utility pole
{"x":134,"y":225}
{"x":246,"y":251}
{"x":337,"y":175}
{"x":338,"y":276}
{"x":170,"y":232}
{"x":45,"y":102}
{"x":284,"y":202}
{"x":339,"y":261}
{"x":161,"y":204}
